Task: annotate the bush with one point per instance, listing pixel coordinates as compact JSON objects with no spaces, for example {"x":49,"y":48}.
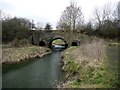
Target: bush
{"x":19,"y":43}
{"x":15,"y":28}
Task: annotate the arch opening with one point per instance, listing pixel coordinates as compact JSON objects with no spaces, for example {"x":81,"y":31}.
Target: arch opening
{"x":41,"y":43}
{"x":74,"y":44}
{"x":58,"y":43}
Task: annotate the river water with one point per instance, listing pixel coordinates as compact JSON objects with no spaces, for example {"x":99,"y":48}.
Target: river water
{"x":37,"y":73}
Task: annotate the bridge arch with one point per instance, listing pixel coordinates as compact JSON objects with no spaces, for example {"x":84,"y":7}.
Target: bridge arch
{"x":75,"y":43}
{"x":50,"y":43}
{"x":42,"y":43}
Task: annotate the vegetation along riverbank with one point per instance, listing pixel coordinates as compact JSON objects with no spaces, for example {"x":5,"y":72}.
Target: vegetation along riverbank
{"x":21,"y":50}
{"x":91,"y":65}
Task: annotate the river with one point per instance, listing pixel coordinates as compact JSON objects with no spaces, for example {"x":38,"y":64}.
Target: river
{"x":38,"y":73}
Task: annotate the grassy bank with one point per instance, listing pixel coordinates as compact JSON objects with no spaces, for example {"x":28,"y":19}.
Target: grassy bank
{"x":58,"y":41}
{"x":17,"y":54}
{"x":91,"y":65}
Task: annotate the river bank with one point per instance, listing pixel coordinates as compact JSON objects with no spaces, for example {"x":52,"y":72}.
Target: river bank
{"x":17,"y":54}
{"x":91,"y":65}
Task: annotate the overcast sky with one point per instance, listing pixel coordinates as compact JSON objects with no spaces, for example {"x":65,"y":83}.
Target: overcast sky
{"x":48,"y":10}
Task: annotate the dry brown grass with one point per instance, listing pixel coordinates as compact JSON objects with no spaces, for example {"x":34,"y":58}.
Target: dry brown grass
{"x":98,"y":65}
{"x":90,"y":54}
{"x":12,"y":55}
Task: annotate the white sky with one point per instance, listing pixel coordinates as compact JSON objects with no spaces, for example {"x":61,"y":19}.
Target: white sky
{"x":48,"y":10}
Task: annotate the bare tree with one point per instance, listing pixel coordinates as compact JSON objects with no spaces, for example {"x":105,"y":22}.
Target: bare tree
{"x":98,"y":17}
{"x":4,"y":15}
{"x":106,"y":21}
{"x":39,"y":25}
{"x":71,"y":17}
{"x":104,"y":15}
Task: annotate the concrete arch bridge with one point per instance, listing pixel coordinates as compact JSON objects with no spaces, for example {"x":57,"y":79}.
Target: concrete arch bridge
{"x":45,"y":38}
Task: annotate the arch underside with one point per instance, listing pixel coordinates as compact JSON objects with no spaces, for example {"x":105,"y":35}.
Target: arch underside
{"x":42,"y":43}
{"x":74,"y":44}
{"x":50,"y":43}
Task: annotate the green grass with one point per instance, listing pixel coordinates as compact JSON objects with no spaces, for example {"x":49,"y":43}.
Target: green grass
{"x":111,"y":67}
{"x":105,"y":76}
{"x":72,"y":66}
{"x":17,"y":54}
{"x":58,"y":41}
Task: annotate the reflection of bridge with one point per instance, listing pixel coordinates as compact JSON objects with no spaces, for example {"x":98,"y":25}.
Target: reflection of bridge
{"x":45,"y":38}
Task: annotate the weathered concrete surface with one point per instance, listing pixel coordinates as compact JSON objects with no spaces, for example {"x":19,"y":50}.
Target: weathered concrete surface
{"x":67,"y":36}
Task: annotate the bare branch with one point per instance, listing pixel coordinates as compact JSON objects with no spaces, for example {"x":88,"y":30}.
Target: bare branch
{"x":71,"y":18}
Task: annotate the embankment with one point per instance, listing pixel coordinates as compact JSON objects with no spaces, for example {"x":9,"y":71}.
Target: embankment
{"x":18,"y":54}
{"x":86,"y":66}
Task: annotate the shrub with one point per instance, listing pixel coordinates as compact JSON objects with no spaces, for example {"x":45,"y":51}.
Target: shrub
{"x":19,"y":43}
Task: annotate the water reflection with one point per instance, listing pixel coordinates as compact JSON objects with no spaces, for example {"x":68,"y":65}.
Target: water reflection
{"x":58,"y":47}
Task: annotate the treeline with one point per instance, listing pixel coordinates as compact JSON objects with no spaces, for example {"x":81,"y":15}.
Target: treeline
{"x":104,"y":23}
{"x":108,"y":29}
{"x":18,"y":29}
{"x":13,"y":28}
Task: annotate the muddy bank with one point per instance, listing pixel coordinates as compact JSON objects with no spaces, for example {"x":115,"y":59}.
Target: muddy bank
{"x":15,"y":55}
